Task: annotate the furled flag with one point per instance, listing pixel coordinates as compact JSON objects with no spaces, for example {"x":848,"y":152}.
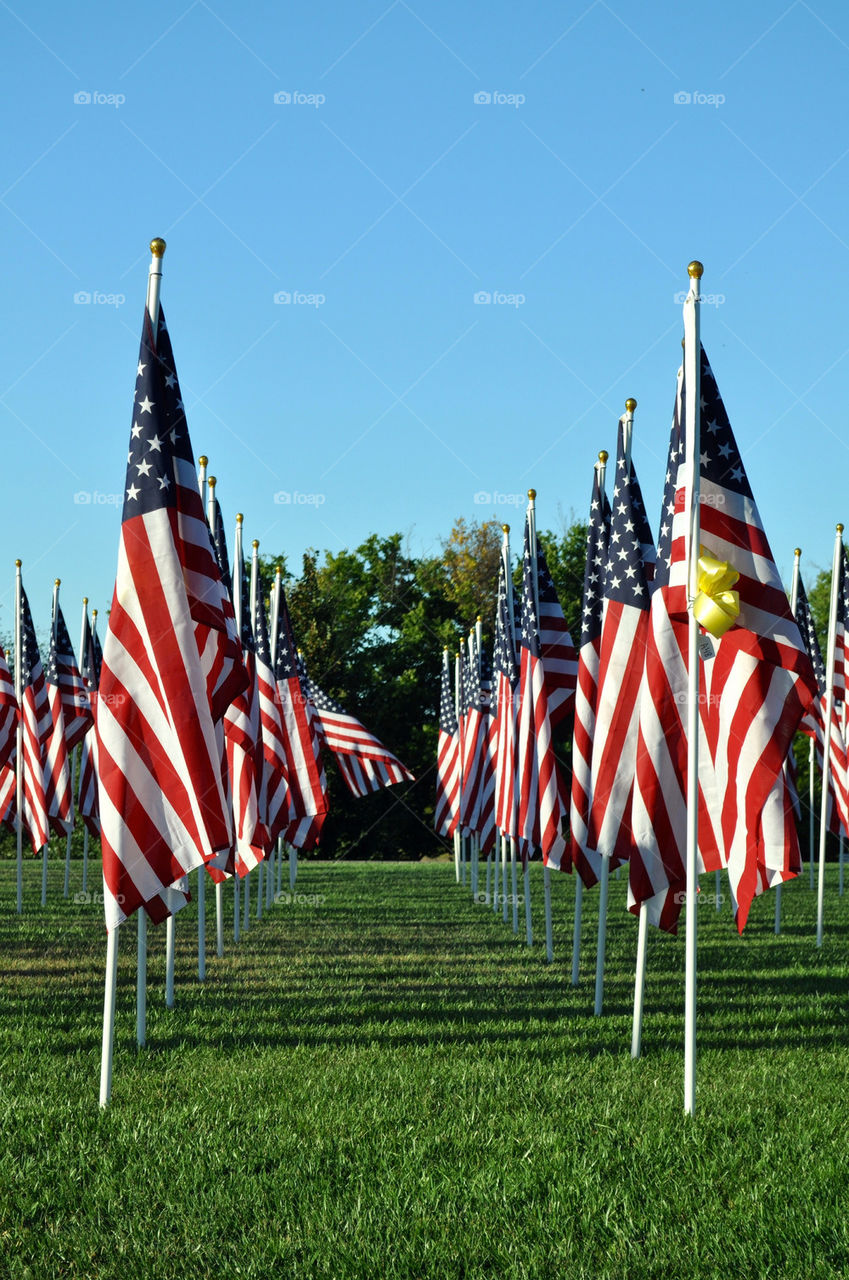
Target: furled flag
{"x":540,"y":788}
{"x":37,"y":725}
{"x":557,"y":652}
{"x":486,"y":794}
{"x":57,"y":766}
{"x":624,"y":627}
{"x":657,"y":872}
{"x":8,"y":714}
{"x":598,"y":532}
{"x":172,"y":664}
{"x":814,"y":718}
{"x":275,"y":797}
{"x":307,"y":780}
{"x":506,"y":691}
{"x":474,"y":726}
{"x":76,"y":705}
{"x":219,"y":543}
{"x":760,"y":682}
{"x":364,"y":762}
{"x":243,"y":743}
{"x":447,"y":809}
{"x":91,"y":658}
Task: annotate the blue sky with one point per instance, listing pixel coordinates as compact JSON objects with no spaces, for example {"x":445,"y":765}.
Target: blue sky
{"x":567,"y":160}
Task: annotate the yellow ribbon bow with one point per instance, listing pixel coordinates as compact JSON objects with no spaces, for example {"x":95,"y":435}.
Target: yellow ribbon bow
{"x":716,"y":607}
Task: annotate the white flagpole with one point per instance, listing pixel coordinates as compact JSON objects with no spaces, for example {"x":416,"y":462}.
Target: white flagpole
{"x":74,"y":756}
{"x":640,"y":982}
{"x":260,"y":866}
{"x":19,"y":738}
{"x":237,"y":609}
{"x":154,"y":281}
{"x":794,"y":596}
{"x":514,"y":881}
{"x":811,"y":807}
{"x":836,"y":574}
{"x":604,"y":882}
{"x":275,"y":619}
{"x":508,"y":579}
{"x":692,"y":385}
{"x":219,"y":887}
{"x":457,"y":836}
{"x":85,"y":826}
{"x":169,"y":962}
{"x":203,"y":463}
{"x":108,"y":1042}
{"x":56,"y":585}
{"x":546,"y":873}
{"x":141,"y":979}
{"x":600,"y":468}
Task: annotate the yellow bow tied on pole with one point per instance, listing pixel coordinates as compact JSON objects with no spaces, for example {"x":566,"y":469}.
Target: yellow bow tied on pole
{"x":716,"y":607}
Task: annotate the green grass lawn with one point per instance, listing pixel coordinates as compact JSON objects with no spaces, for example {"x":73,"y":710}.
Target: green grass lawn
{"x":388,"y":1083}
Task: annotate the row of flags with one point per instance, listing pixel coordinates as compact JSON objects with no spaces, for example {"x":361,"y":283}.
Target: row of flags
{"x":624,"y":691}
{"x":201,"y":733}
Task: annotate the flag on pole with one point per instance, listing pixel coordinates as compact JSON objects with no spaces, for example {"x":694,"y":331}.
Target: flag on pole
{"x":91,"y":659}
{"x":171,"y":664}
{"x":447,"y":810}
{"x":586,"y":696}
{"x":305,"y":770}
{"x":813,"y":721}
{"x":76,"y":705}
{"x":607,"y":786}
{"x":364,"y":762}
{"x":276,"y":800}
{"x":57,"y":765}
{"x":506,"y":694}
{"x":36,"y":727}
{"x":8,"y":713}
{"x":557,"y":652}
{"x":540,"y":788}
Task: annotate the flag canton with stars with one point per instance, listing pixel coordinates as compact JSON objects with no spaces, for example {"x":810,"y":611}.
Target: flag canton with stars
{"x":597,"y":538}
{"x":321,"y":700}
{"x":159,"y":434}
{"x":625,"y":577}
{"x":721,"y":464}
{"x":284,"y":653}
{"x":504,"y":652}
{"x":261,"y":644}
{"x":92,"y":659}
{"x":484,"y":681}
{"x":805,"y":623}
{"x":219,"y":542}
{"x":250,"y":633}
{"x":51,"y":666}
{"x":447,"y":712}
{"x":30,"y":657}
{"x":670,"y":484}
{"x":530,"y":625}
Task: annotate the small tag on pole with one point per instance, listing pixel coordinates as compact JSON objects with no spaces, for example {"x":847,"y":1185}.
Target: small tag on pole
{"x":706,"y":648}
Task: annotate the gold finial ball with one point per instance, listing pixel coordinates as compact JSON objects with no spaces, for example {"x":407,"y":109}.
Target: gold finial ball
{"x":695,"y":270}
{"x":18,"y":564}
{"x":839,"y":530}
{"x":203,"y":460}
{"x":157,"y":247}
{"x":255,"y":543}
{"x":211,"y":481}
{"x":532,"y":493}
{"x":85,"y":599}
{"x":239,"y":517}
{"x":479,"y":618}
{"x":630,"y":404}
{"x":278,"y":569}
{"x":603,"y":455}
{"x":505,"y":528}
{"x":94,"y":613}
{"x":797,"y":551}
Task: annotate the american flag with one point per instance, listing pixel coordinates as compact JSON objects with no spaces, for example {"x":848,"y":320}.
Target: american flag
{"x":559,"y":659}
{"x":307,"y":780}
{"x":622,"y":644}
{"x":586,"y":696}
{"x":474,"y":729}
{"x":91,"y":658}
{"x":275,"y":795}
{"x":447,"y":810}
{"x":172,"y":664}
{"x":486,"y":827}
{"x":364,"y":762}
{"x":243,"y":744}
{"x":57,"y":765}
{"x":657,"y":873}
{"x":76,"y":705}
{"x":36,"y":726}
{"x":541,"y":793}
{"x":219,"y":543}
{"x":506,"y":688}
{"x":8,"y":713}
{"x":814,"y":718}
